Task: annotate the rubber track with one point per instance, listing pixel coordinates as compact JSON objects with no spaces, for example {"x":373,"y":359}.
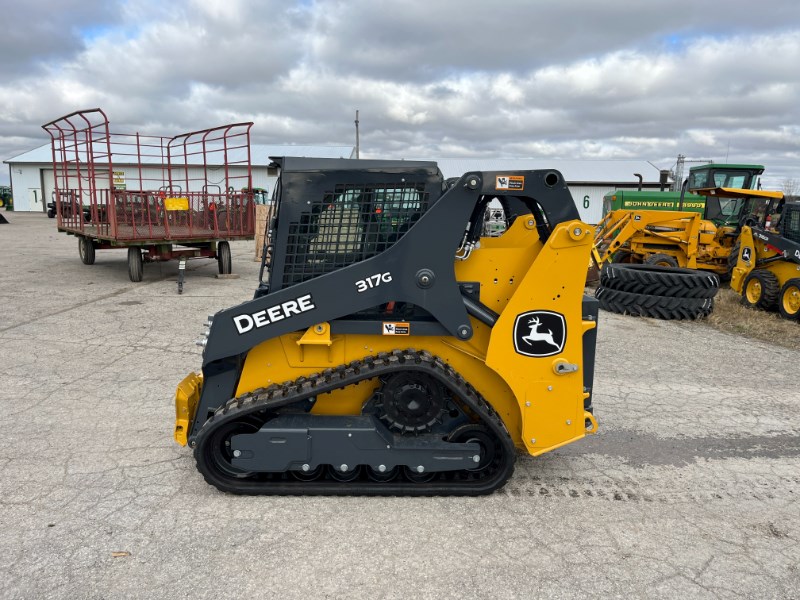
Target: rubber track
{"x":659,"y":281}
{"x":462,"y":483}
{"x":657,"y":307}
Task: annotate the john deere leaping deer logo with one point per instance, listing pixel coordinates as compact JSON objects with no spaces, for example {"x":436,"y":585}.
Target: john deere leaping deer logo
{"x":540,"y":333}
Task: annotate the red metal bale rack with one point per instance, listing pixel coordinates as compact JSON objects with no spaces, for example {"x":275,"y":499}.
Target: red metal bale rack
{"x":150,"y":193}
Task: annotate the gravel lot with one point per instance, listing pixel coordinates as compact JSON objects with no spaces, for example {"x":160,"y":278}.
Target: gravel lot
{"x":690,"y":490}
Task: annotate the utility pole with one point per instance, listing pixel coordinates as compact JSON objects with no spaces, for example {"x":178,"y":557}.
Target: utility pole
{"x":679,"y":171}
{"x":679,"y":166}
{"x":357,"y":142}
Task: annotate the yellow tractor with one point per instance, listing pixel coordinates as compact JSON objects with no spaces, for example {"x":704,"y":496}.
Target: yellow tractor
{"x":392,"y":350}
{"x":680,"y":238}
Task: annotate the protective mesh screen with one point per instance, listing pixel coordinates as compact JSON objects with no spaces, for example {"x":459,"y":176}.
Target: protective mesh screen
{"x":350,"y":224}
{"x":792,"y":226}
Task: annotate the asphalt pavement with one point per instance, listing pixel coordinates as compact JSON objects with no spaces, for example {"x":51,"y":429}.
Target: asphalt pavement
{"x":689,"y":490}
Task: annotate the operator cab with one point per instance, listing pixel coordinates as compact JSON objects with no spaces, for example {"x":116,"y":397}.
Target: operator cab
{"x":745,"y":177}
{"x":734,"y":208}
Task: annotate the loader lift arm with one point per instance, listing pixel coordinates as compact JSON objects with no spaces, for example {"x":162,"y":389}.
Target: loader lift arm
{"x":617,"y":228}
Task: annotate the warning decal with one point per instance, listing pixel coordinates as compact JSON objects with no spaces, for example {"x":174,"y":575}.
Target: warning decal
{"x":396,"y":329}
{"x":510,"y":182}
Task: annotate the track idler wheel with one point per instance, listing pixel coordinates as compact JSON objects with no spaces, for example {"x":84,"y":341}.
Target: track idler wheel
{"x":218,"y":450}
{"x":478,"y":435}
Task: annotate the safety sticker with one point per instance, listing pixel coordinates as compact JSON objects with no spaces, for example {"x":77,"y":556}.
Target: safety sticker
{"x":396,"y":329}
{"x":510,"y":182}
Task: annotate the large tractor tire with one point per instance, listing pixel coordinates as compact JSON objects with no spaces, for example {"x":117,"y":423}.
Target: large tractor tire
{"x":659,"y":281}
{"x":789,"y":300}
{"x":661,"y":260}
{"x":761,"y":290}
{"x":657,"y":307}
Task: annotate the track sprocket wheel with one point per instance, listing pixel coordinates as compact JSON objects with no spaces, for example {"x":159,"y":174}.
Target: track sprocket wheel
{"x":411,"y":402}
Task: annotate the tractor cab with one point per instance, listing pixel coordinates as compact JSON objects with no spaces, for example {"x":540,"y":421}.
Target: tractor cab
{"x":743,"y":177}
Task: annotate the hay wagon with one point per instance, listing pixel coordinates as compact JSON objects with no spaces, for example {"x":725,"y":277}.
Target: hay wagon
{"x":162,"y":198}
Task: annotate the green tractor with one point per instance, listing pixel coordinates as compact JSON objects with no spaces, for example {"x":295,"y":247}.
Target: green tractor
{"x":714,"y":175}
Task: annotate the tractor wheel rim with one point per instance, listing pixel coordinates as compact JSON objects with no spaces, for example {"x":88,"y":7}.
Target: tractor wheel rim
{"x":754,"y":291}
{"x":791,"y":300}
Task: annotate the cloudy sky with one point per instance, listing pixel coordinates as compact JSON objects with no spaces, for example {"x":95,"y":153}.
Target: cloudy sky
{"x":502,"y":78}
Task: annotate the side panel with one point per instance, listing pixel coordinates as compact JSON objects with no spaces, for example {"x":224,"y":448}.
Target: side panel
{"x":537,"y":344}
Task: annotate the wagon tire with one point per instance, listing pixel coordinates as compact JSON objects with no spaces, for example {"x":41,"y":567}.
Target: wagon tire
{"x":224,"y":258}
{"x":86,"y":250}
{"x":135,"y":264}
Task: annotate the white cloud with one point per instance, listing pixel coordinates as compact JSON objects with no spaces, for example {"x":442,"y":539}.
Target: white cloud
{"x":581,"y":79}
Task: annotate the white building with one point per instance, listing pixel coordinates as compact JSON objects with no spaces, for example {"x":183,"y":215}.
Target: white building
{"x":589,"y":180}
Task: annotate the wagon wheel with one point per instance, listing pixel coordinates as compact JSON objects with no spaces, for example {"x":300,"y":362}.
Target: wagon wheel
{"x":135,"y":264}
{"x":86,"y":250}
{"x":224,"y":258}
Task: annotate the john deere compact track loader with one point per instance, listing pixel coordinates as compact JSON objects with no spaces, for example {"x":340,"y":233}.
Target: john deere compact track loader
{"x":393,"y":350}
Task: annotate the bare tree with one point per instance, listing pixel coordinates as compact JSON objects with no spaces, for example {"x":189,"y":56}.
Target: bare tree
{"x":790,"y":187}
